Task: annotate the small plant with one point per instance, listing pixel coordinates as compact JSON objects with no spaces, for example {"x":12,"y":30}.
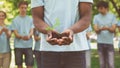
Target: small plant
{"x":57,"y":23}
{"x":56,"y":35}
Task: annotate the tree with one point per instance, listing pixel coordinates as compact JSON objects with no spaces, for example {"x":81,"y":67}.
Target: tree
{"x":114,"y":6}
{"x":11,"y":8}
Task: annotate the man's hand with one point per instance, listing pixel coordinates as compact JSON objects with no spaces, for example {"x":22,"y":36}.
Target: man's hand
{"x":105,"y":28}
{"x":53,"y":37}
{"x":66,"y":37}
{"x":26,"y":38}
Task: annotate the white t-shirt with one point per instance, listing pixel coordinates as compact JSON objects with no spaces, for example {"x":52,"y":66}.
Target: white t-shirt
{"x":67,"y":13}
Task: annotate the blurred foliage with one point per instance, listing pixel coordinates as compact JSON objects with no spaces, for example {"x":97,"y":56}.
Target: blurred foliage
{"x":114,"y":7}
{"x":10,"y":7}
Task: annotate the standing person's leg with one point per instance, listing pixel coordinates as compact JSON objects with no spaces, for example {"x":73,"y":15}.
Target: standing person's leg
{"x":101,"y":55}
{"x":105,"y":57}
{"x":29,"y":61}
{"x":88,"y":59}
{"x":18,"y":57}
{"x":119,"y":50}
{"x":1,"y":60}
{"x":119,"y":47}
{"x":38,"y":58}
{"x":75,"y":59}
{"x":50,"y":59}
{"x":110,"y":56}
{"x":6,"y":60}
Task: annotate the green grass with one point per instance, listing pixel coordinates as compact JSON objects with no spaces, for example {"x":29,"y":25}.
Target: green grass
{"x":35,"y":64}
{"x":95,"y":59}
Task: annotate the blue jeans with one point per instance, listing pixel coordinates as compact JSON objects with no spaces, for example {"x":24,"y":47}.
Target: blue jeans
{"x":63,"y":59}
{"x":106,"y":55}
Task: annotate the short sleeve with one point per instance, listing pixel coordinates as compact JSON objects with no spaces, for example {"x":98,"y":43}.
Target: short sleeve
{"x":118,"y":24}
{"x":13,"y":25}
{"x":95,"y":20}
{"x":36,"y":3}
{"x":91,"y":1}
{"x":114,"y":21}
{"x":32,"y":25}
{"x":89,"y":28}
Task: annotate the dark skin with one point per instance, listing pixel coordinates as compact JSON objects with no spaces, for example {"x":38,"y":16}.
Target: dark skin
{"x":66,"y":37}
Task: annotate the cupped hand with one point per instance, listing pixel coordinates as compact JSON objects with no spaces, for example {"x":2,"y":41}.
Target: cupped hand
{"x":4,"y":29}
{"x":66,"y":37}
{"x":26,"y":38}
{"x":52,"y":37}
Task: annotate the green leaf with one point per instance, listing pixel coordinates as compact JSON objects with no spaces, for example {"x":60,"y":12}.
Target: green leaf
{"x":49,"y":28}
{"x":57,"y":23}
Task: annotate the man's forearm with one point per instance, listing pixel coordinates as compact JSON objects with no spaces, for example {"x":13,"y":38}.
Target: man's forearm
{"x":85,"y":10}
{"x":112,"y":29}
{"x":81,"y":25}
{"x":17,"y":34}
{"x":40,"y":25}
{"x":38,"y":19}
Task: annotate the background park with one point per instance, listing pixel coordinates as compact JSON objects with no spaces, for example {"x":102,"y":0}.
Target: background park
{"x":10,"y":7}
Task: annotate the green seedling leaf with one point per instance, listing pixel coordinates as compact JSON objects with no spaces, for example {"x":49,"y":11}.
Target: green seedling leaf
{"x":57,"y":23}
{"x":49,"y":28}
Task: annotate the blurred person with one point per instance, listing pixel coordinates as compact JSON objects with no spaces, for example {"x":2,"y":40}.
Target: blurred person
{"x":5,"y":34}
{"x":118,"y":26}
{"x":22,"y":26}
{"x":37,"y":52}
{"x":104,"y":26}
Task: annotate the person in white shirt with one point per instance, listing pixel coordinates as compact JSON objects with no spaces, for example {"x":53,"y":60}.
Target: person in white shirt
{"x":62,"y":24}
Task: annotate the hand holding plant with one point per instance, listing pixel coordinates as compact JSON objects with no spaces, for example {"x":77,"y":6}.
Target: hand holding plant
{"x":66,"y":37}
{"x":55,"y":38}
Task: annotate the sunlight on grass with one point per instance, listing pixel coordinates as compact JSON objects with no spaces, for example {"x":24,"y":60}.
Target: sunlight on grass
{"x":95,"y":59}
